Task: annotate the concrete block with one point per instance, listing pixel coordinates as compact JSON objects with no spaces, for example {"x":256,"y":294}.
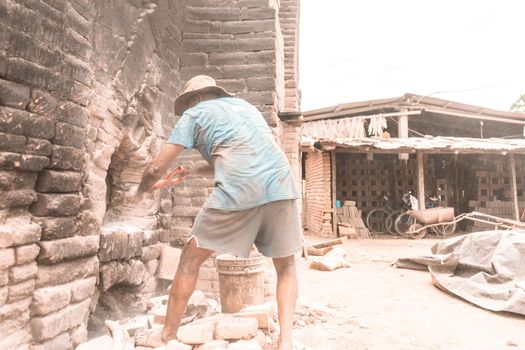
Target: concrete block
{"x":236,"y":328}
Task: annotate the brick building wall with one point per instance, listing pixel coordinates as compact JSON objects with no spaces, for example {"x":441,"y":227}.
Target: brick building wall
{"x":318,"y":189}
{"x":86,"y":96}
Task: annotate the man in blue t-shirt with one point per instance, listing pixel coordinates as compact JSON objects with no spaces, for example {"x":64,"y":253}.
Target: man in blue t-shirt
{"x":253,"y":200}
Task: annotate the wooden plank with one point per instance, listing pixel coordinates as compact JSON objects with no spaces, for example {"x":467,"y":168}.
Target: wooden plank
{"x":421,"y":181}
{"x":513,"y":186}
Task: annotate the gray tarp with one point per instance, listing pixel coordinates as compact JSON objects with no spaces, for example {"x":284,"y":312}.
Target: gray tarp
{"x":484,"y":268}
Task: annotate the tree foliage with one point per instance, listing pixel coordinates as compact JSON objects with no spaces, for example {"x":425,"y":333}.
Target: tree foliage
{"x":519,"y":105}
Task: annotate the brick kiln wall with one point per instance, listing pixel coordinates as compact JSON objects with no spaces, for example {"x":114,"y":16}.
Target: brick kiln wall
{"x":86,"y":96}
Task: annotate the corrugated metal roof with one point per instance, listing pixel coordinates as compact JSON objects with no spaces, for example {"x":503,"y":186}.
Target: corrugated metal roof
{"x":437,"y":144}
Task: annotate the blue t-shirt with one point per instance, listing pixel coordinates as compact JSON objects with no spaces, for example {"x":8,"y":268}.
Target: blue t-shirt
{"x":231,"y":135}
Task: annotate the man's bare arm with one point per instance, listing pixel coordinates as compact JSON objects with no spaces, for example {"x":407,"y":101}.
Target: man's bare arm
{"x":158,"y":166}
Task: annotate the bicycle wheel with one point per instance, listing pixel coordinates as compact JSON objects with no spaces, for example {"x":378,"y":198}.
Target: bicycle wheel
{"x":376,"y":219}
{"x":390,"y":222}
{"x":404,"y":224}
{"x":445,"y":229}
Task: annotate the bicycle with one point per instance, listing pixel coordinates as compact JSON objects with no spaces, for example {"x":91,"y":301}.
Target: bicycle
{"x":381,"y":220}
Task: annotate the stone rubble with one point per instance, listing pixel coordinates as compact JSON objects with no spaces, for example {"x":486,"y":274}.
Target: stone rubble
{"x":207,"y":330}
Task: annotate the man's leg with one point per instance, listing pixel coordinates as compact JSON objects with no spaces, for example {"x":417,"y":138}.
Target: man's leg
{"x":183,"y":286}
{"x":286,"y":299}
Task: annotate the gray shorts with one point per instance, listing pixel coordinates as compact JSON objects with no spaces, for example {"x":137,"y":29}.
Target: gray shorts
{"x":274,"y":228}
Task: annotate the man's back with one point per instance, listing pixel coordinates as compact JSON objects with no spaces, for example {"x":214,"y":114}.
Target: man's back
{"x":250,"y":168}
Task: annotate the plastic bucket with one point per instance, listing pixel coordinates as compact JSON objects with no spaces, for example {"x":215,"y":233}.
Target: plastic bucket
{"x":241,"y":281}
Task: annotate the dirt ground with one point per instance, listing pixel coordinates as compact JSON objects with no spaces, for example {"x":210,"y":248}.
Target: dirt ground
{"x":373,"y":306}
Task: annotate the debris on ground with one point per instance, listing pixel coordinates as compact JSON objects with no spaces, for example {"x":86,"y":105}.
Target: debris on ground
{"x":203,"y":328}
{"x":335,"y":259}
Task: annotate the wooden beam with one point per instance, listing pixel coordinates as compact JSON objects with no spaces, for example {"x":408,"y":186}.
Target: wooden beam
{"x":333,"y":172}
{"x":513,"y":186}
{"x":421,"y":180}
{"x":402,"y":131}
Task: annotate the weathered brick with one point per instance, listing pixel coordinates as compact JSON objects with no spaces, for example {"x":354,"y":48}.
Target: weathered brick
{"x":69,"y":135}
{"x":261,"y":84}
{"x":7,"y":258}
{"x":38,"y":147}
{"x":199,"y":332}
{"x":66,"y":271}
{"x":102,"y":342}
{"x":55,"y":228}
{"x":150,"y":237}
{"x":18,"y":233}
{"x":249,"y":70}
{"x":82,"y":289}
{"x":197,"y":27}
{"x":58,"y":181}
{"x":19,"y":69}
{"x":76,"y":69}
{"x":233,"y":86}
{"x":13,"y":94}
{"x":120,"y":245}
{"x":213,"y":13}
{"x":251,"y":344}
{"x":24,"y":123}
{"x":169,"y":260}
{"x":187,"y":73}
{"x":4,"y":292}
{"x":61,"y":342}
{"x":259,"y":13}
{"x":72,"y":113}
{"x":21,"y":290}
{"x":130,"y":273}
{"x":11,"y":143}
{"x":236,"y":328}
{"x":16,"y":180}
{"x":42,"y":103}
{"x":176,"y":345}
{"x":255,"y":26}
{"x":218,"y":344}
{"x":22,"y":162}
{"x":50,"y":299}
{"x":49,"y":326}
{"x":248,"y":44}
{"x":150,"y":252}
{"x":56,"y":205}
{"x":20,"y":198}
{"x":26,"y":253}
{"x":17,"y":335}
{"x":78,"y":335}
{"x":201,"y":45}
{"x":22,"y":273}
{"x":67,"y":158}
{"x":58,"y":250}
{"x":89,"y":224}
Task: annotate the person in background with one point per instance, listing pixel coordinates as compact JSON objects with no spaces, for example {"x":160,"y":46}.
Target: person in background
{"x":254,"y":199}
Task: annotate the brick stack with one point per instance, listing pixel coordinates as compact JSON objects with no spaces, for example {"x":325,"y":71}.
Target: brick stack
{"x":318,"y":190}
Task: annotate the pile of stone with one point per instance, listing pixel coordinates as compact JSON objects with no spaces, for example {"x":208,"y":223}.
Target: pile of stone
{"x":203,"y":328}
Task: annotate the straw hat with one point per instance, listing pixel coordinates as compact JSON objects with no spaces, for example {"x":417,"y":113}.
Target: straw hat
{"x":199,"y":83}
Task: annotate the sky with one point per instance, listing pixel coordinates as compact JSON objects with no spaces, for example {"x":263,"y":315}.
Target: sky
{"x":461,"y":50}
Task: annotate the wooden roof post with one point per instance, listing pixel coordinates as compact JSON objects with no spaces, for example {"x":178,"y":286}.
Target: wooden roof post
{"x":513,"y":186}
{"x":402,"y":131}
{"x":333,"y":173}
{"x":421,"y":180}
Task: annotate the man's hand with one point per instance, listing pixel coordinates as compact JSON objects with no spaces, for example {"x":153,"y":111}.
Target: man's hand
{"x":133,"y":197}
{"x":173,"y":178}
